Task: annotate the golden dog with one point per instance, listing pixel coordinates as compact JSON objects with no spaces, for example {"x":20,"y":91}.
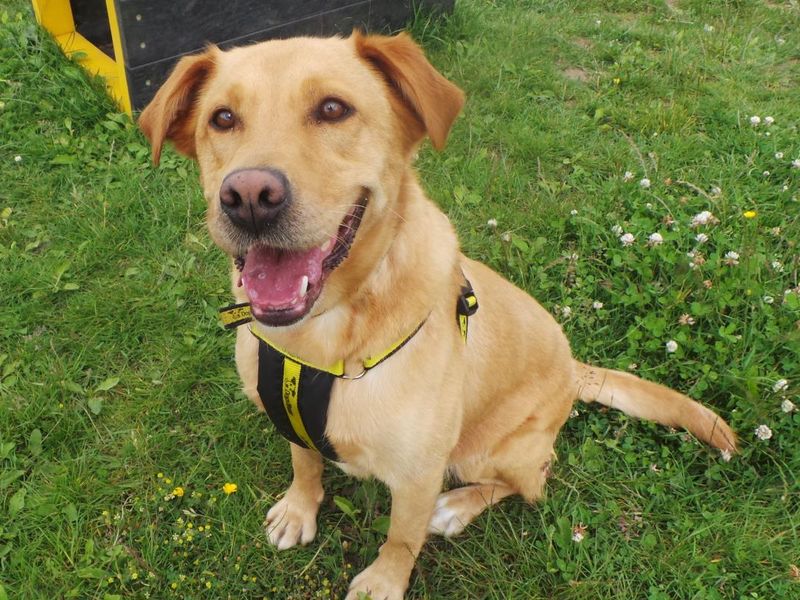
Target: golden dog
{"x":305,"y":148}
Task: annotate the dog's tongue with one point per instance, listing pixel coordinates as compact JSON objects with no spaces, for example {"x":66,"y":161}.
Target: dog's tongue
{"x":273,"y":278}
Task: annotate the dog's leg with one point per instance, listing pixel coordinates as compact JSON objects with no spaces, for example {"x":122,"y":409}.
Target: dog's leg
{"x":294,"y":518}
{"x":457,"y":508}
{"x":412,"y":504}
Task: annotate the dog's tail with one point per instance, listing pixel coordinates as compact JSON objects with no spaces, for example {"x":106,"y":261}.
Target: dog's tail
{"x":647,"y":400}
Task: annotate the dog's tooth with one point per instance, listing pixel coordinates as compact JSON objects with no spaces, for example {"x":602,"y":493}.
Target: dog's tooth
{"x":303,"y":286}
{"x":326,"y":246}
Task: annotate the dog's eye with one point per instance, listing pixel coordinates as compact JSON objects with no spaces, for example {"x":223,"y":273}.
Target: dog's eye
{"x":223,"y":119}
{"x":332,"y":110}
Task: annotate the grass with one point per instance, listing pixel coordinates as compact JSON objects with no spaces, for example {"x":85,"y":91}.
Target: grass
{"x":117,"y":386}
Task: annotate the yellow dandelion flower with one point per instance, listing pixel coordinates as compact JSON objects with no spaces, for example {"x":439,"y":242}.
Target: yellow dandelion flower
{"x":178,"y":492}
{"x":208,"y":584}
{"x":750,"y":214}
{"x":617,"y":80}
{"x":160,"y":476}
{"x":230,"y":488}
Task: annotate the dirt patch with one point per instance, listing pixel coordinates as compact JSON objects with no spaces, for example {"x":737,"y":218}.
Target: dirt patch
{"x":584,"y":42}
{"x":576,"y":74}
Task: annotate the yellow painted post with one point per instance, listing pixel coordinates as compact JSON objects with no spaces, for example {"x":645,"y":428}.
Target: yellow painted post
{"x":56,"y":17}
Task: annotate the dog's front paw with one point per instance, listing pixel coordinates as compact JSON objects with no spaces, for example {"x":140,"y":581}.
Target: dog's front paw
{"x":292,"y":520}
{"x":378,"y":582}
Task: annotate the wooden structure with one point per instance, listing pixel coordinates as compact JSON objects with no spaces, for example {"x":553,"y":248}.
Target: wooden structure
{"x":134,"y":44}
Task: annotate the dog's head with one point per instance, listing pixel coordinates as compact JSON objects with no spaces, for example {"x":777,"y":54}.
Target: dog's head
{"x":303,"y":147}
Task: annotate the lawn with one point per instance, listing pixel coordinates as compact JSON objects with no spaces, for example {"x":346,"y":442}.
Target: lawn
{"x":635,"y":165}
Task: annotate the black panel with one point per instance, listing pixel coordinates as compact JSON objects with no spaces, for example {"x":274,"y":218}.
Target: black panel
{"x":91,"y":21}
{"x":372,"y":15}
{"x":156,"y":29}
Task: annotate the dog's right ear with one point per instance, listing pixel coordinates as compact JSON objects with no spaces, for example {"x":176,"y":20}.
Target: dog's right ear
{"x":170,"y":114}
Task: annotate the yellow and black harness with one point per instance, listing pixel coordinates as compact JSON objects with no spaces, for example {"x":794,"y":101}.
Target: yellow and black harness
{"x":296,"y":394}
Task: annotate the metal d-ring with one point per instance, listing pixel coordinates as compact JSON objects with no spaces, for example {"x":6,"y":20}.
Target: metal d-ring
{"x":353,"y":377}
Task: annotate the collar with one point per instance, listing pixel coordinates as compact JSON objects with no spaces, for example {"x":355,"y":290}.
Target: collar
{"x":238,"y":314}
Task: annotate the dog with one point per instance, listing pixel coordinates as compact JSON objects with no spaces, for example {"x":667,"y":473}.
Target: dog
{"x":431,"y":365}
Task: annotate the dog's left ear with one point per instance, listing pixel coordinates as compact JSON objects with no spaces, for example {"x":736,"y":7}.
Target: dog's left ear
{"x":170,"y":114}
{"x":434,"y":101}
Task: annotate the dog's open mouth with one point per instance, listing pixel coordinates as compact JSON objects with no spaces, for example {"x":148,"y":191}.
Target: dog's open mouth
{"x":282,"y":285}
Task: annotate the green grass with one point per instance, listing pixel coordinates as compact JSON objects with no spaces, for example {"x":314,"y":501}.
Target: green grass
{"x":113,"y":369}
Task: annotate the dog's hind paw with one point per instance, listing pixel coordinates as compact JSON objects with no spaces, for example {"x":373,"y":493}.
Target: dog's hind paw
{"x":447,"y":519}
{"x":291,"y":521}
{"x":457,"y":508}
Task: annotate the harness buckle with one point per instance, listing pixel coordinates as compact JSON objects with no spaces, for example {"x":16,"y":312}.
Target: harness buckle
{"x":467,"y":304}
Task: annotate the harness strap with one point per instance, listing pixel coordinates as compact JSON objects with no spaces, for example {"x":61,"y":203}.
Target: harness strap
{"x":466,"y":306}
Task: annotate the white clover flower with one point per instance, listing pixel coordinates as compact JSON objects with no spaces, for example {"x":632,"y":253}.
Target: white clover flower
{"x":655,"y":239}
{"x":573,"y":413}
{"x":701,"y":238}
{"x":492,"y":223}
{"x":628,"y":176}
{"x":768,"y":299}
{"x":702,"y":218}
{"x":644,"y":182}
{"x":708,"y":28}
{"x":671,"y":346}
{"x":763,"y":432}
{"x":616,"y":230}
{"x":566,"y":311}
{"x":506,"y":237}
{"x":779,"y":155}
{"x":765,"y":173}
{"x":731,"y":258}
{"x":17,"y":159}
{"x":573,"y":212}
{"x":785,"y":188}
{"x":780,"y":385}
{"x":768,"y":121}
{"x":597,"y":305}
{"x":777,"y":266}
{"x":716,"y":190}
{"x":755,"y":120}
{"x":796,"y":163}
{"x":649,"y":206}
{"x":578,"y":533}
{"x":627,"y":239}
{"x":779,"y":40}
{"x":725,"y":455}
{"x":788,"y":406}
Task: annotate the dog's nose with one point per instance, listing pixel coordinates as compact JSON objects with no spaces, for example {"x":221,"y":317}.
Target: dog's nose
{"x":253,"y":198}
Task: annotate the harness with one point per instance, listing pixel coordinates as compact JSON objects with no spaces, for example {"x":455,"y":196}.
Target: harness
{"x":295,"y":393}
